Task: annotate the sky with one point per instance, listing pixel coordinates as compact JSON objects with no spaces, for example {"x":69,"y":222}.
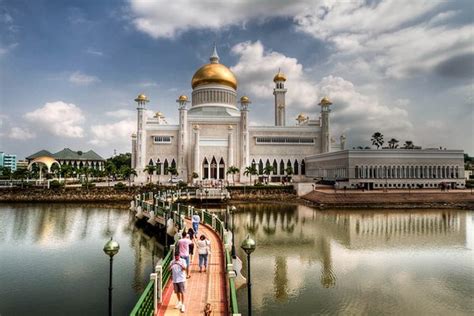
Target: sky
{"x":69,"y":70}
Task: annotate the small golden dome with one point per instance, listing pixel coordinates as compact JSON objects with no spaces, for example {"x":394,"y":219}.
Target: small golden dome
{"x":245,"y":99}
{"x":183,"y":98}
{"x":279,"y":77}
{"x":214,"y":73}
{"x":141,"y":98}
{"x":325,"y":101}
{"x":159,"y":114}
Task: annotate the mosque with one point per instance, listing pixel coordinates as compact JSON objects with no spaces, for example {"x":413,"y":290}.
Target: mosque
{"x":214,"y":134}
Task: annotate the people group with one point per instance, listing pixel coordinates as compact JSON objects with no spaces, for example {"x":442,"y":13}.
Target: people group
{"x":184,"y":255}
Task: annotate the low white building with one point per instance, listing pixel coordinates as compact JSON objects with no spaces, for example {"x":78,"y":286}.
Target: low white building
{"x":389,"y":168}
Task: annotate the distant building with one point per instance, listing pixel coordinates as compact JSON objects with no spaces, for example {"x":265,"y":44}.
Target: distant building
{"x":76,"y":159}
{"x":389,"y":168}
{"x":8,"y":161}
{"x":22,"y":164}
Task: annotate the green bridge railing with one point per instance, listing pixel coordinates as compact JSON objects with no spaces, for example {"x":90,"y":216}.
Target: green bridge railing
{"x":162,"y":206}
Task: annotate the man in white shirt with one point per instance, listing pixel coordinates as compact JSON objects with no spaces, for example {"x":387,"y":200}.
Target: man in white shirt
{"x":195,"y":221}
{"x":178,"y":274}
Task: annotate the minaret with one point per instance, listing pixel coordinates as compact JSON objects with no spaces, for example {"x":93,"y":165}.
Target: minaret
{"x":325,"y":136}
{"x":244,"y":138}
{"x":182,"y":136}
{"x":279,"y":93}
{"x":214,"y":59}
{"x":141,"y":141}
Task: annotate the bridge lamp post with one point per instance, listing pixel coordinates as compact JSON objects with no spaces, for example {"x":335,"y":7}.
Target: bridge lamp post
{"x":232,"y":212}
{"x":111,"y":248}
{"x":248,"y":245}
{"x":167,"y":209}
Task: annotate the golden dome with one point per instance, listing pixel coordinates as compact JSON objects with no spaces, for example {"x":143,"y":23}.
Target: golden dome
{"x":141,"y":98}
{"x":325,"y":101}
{"x":279,"y":77}
{"x":183,"y":98}
{"x":244,"y":99}
{"x":159,"y":114}
{"x":214,"y":73}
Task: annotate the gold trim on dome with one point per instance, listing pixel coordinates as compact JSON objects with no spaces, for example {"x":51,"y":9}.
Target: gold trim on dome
{"x":214,"y":73}
{"x":141,"y":98}
{"x":183,"y":98}
{"x":325,"y":101}
{"x":279,"y":77}
{"x":244,"y":99}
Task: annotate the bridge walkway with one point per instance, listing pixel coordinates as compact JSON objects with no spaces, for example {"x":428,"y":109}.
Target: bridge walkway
{"x":201,"y":288}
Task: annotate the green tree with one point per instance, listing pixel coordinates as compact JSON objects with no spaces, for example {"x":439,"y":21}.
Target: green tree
{"x":232,"y":170}
{"x":408,"y":145}
{"x":267,"y":171}
{"x":66,"y":171}
{"x":289,"y":171}
{"x":126,"y":172}
{"x":250,"y":171}
{"x":121,"y":160}
{"x":393,"y":143}
{"x":150,"y":169}
{"x":6,"y":172}
{"x":172,"y":171}
{"x":110,"y":170}
{"x":86,"y":171}
{"x":377,"y":139}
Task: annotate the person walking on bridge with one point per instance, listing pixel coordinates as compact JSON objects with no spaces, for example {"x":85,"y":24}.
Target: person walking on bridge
{"x":195,"y":221}
{"x":178,"y":274}
{"x":183,"y":248}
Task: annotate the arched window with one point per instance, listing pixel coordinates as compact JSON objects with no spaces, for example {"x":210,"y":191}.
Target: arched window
{"x":303,"y":168}
{"x":260,"y":167}
{"x":282,"y":167}
{"x":205,"y":169}
{"x":165,"y":166}
{"x":150,"y":162}
{"x":213,"y":168}
{"x":173,"y":164}
{"x":357,"y":172}
{"x":158,"y":167}
{"x":221,"y":169}
{"x":275,"y":167}
{"x":296,"y":168}
{"x":254,"y":164}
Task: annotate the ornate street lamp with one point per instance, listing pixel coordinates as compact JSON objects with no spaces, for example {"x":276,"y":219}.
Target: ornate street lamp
{"x":232,"y":213}
{"x":248,"y":245}
{"x":111,"y":248}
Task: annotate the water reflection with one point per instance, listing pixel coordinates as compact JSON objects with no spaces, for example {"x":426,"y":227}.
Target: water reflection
{"x":62,"y":242}
{"x":297,"y":241}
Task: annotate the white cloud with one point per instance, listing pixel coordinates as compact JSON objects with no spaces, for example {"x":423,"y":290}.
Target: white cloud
{"x":121,"y":113}
{"x":407,"y":42}
{"x":256,"y":68}
{"x":95,"y":52}
{"x":82,"y":79}
{"x":59,"y":118}
{"x":112,"y":134}
{"x":148,"y":84}
{"x":166,"y":19}
{"x":5,"y":49}
{"x":19,"y":133}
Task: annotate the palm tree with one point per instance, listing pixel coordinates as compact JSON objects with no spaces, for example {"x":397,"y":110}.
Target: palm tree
{"x":267,"y":170}
{"x":250,"y":171}
{"x":289,"y":171}
{"x":86,"y":171}
{"x":150,"y":169}
{"x":233,"y":170}
{"x":110,"y":170}
{"x":172,"y":171}
{"x":377,"y":139}
{"x":393,"y":143}
{"x":408,"y":145}
{"x":126,"y":172}
{"x":66,"y":171}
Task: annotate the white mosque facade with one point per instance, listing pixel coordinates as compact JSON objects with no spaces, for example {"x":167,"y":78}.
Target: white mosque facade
{"x":214,"y":134}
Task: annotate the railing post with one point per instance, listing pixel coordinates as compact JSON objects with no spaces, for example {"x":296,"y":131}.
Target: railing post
{"x":158,"y":285}
{"x":189,"y":210}
{"x":214,"y":221}
{"x":154,"y":277}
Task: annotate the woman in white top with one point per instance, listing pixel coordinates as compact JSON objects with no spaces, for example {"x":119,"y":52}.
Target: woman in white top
{"x":204,"y":249}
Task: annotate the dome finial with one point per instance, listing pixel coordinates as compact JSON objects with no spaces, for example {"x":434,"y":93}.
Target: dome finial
{"x":214,"y":57}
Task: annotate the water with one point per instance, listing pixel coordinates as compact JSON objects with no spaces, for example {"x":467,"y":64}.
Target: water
{"x":311,"y":262}
{"x":307,"y":262}
{"x":52,"y":263}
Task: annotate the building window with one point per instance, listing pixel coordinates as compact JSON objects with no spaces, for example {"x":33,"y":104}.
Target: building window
{"x":285,"y":140}
{"x":162,"y":139}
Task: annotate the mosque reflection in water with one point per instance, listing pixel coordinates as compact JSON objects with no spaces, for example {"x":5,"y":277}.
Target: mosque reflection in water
{"x":291,"y":238}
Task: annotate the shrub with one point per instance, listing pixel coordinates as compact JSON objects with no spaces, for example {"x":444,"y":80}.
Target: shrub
{"x":88,"y":185}
{"x":120,"y":185}
{"x":469,"y":184}
{"x":55,"y":184}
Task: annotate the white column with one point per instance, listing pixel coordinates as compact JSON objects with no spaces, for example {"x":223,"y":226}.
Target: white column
{"x":197,"y":168}
{"x":230,"y":148}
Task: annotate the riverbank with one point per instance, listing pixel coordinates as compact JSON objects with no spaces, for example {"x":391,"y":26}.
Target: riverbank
{"x":402,"y":200}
